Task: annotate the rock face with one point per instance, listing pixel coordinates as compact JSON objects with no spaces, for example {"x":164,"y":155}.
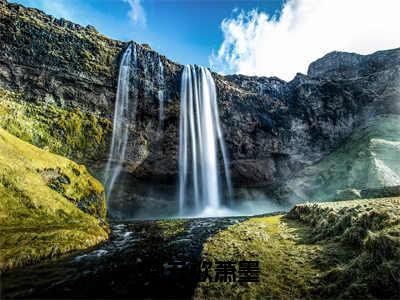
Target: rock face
{"x":368,"y":159}
{"x":56,"y":61}
{"x":341,"y":65}
{"x":273,"y":129}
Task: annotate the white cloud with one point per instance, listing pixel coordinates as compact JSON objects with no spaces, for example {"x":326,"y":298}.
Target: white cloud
{"x":258,"y":44}
{"x":136,"y":13}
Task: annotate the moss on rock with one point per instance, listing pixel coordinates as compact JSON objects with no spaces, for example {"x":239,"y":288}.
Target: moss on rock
{"x":40,"y":194}
{"x":171,"y":228}
{"x":58,"y":42}
{"x":72,"y":133}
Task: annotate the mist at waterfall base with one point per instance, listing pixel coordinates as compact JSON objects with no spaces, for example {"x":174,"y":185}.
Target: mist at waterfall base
{"x":204,"y":187}
{"x":161,"y":201}
{"x":255,"y":204}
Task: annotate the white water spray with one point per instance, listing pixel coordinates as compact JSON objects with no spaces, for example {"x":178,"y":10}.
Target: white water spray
{"x":200,"y":137}
{"x":122,"y":116}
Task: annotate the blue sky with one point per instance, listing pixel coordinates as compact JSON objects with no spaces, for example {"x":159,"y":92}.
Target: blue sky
{"x":186,"y":31}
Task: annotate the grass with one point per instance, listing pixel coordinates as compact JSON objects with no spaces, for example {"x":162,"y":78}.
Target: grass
{"x":286,"y":269}
{"x":348,"y":249}
{"x":39,"y":197}
{"x":369,"y":228}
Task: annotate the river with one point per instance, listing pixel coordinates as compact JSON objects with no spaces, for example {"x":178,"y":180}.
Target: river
{"x":141,"y":259}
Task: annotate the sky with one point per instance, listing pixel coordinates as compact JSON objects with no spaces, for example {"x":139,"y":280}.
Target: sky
{"x":184,"y":30}
{"x":253,"y":37}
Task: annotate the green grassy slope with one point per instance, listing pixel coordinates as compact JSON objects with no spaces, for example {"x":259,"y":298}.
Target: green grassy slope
{"x":39,"y":198}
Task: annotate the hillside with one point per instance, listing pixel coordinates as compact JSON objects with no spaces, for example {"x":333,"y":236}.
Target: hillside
{"x":49,"y":205}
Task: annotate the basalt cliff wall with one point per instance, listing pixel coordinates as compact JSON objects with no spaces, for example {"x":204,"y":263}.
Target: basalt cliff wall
{"x":273,"y":129}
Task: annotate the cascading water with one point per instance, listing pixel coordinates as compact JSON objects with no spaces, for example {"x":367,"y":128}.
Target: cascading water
{"x":161,"y":92}
{"x":122,"y":115}
{"x":199,"y":137}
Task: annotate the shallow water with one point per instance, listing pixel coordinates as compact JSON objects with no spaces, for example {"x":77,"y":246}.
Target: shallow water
{"x":137,"y":261}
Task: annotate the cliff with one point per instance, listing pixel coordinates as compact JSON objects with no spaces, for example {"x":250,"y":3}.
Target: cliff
{"x":367,"y":159}
{"x":273,"y":129}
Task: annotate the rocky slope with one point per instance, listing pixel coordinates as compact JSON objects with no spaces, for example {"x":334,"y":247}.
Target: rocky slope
{"x":273,"y":129}
{"x":368,"y":159}
{"x":49,"y":204}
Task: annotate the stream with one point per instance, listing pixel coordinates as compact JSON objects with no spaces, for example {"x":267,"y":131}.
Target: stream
{"x":138,"y":261}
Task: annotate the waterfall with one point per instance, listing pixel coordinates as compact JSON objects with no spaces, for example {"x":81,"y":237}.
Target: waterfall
{"x":161,"y":92}
{"x":122,"y":116}
{"x":200,"y":138}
